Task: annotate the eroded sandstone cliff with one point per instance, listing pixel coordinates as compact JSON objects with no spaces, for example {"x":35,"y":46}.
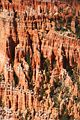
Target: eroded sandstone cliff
{"x":39,"y":67}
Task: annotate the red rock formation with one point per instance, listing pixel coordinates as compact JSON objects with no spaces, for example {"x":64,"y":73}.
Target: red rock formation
{"x":40,"y":66}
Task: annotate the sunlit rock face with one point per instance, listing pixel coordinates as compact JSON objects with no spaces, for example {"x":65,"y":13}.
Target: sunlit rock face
{"x":39,"y":67}
{"x":2,"y":61}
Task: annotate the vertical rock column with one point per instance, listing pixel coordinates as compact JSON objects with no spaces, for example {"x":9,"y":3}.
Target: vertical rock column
{"x":2,"y":43}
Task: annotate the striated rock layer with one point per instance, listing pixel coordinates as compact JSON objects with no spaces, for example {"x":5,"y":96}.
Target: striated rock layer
{"x":39,"y":67}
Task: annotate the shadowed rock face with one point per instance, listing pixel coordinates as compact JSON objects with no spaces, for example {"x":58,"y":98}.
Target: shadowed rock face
{"x":39,"y":67}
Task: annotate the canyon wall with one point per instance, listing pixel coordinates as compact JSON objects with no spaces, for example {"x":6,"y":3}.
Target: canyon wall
{"x":40,"y":67}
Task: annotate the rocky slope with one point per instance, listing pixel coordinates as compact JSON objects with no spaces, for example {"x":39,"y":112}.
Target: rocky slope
{"x":39,"y":67}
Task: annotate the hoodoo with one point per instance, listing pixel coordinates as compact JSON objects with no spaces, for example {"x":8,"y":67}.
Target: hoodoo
{"x":39,"y":60}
